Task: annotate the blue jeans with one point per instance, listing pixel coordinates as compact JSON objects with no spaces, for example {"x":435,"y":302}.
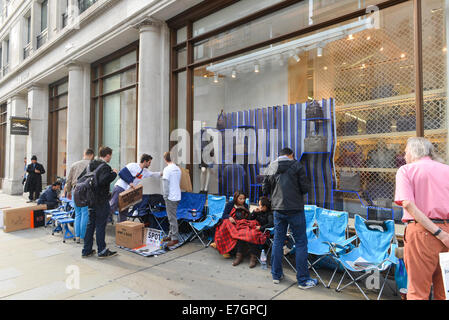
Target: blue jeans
{"x":297,"y":224}
{"x":98,"y":218}
{"x":81,"y":220}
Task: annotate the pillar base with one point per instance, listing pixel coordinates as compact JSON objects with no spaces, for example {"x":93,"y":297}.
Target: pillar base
{"x":12,"y":187}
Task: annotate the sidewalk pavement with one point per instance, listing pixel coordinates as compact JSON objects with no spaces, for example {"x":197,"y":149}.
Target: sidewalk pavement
{"x":36,"y":265}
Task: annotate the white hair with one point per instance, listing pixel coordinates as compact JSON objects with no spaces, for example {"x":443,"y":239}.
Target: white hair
{"x":419,"y":147}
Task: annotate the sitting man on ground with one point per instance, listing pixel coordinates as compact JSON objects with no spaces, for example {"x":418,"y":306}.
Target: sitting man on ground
{"x":50,"y":196}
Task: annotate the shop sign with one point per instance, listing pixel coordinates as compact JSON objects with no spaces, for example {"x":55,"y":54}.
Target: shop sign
{"x":20,"y":126}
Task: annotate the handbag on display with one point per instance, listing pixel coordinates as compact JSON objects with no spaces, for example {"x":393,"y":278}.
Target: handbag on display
{"x":406,"y":123}
{"x":351,"y":127}
{"x":350,"y":180}
{"x":221,"y":121}
{"x":314,"y":110}
{"x":315,"y":143}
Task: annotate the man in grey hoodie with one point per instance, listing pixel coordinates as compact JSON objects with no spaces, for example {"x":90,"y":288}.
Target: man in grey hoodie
{"x":287,"y":183}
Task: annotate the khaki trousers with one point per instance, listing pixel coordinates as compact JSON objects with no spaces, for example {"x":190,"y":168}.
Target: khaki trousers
{"x":421,"y":257}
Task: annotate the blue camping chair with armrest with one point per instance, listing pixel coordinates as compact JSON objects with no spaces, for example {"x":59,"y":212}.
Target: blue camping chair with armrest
{"x":332,"y":231}
{"x":189,"y":202}
{"x":309,"y":212}
{"x":375,"y":252}
{"x":215,"y":208}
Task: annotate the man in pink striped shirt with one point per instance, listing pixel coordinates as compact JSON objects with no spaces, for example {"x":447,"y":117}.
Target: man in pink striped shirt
{"x":423,"y":185}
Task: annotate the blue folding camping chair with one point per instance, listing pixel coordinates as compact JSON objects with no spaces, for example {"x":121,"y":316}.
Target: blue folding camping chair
{"x":215,"y":208}
{"x":332,"y":231}
{"x":374,"y":253}
{"x":190,"y":208}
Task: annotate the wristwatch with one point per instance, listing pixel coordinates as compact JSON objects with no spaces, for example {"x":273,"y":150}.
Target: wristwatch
{"x":437,"y":232}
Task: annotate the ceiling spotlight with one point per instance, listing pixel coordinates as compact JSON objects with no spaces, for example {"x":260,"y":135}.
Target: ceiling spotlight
{"x":350,"y":37}
{"x":382,"y":49}
{"x":205,"y":75}
{"x":445,"y":49}
{"x":216,"y":78}
{"x":403,"y":56}
{"x":256,"y":68}
{"x":297,"y":58}
{"x":319,"y":52}
{"x":368,"y":38}
{"x":325,"y":68}
{"x":234,"y":74}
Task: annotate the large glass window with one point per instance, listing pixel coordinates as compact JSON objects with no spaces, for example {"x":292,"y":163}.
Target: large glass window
{"x":3,"y":124}
{"x":57,"y":136}
{"x":114,"y":106}
{"x":365,"y":65}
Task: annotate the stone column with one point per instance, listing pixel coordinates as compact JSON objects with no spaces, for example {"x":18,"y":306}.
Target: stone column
{"x":75,"y":114}
{"x":149,"y":117}
{"x":38,"y":138}
{"x":16,"y":149}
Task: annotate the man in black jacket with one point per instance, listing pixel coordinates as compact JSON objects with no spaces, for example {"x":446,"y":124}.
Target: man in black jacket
{"x":50,"y":196}
{"x":98,"y":214}
{"x":287,"y":183}
{"x":33,"y":183}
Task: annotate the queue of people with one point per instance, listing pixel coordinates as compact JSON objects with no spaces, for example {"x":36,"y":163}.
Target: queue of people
{"x":422,"y":188}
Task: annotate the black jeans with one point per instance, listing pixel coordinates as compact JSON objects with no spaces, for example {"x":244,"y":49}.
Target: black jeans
{"x":98,"y":218}
{"x":35,"y":193}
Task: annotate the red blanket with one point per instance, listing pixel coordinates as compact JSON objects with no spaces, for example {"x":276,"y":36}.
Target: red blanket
{"x":227,"y":234}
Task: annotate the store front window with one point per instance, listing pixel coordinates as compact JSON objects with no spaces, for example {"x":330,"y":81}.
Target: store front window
{"x":114,"y":105}
{"x":3,"y":124}
{"x":366,"y":65}
{"x":57,"y":136}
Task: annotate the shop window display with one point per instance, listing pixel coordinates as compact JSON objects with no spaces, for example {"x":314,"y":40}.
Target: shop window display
{"x":368,"y":72}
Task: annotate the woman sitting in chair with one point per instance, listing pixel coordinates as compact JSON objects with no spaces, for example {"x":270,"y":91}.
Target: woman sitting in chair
{"x":264,"y":217}
{"x":234,"y":210}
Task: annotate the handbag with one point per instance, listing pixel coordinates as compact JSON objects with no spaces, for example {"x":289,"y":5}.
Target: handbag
{"x":315,"y":143}
{"x":314,"y":110}
{"x":350,"y":180}
{"x":406,"y":123}
{"x":221,"y":121}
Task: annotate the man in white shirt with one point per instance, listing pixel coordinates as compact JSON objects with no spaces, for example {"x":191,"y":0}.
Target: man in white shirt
{"x":171,"y":179}
{"x":131,"y":176}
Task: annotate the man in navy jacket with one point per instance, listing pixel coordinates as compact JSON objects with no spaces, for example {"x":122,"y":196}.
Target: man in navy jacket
{"x":50,"y":196}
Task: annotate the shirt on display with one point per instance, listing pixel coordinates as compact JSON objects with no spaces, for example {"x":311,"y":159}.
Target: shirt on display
{"x":137,"y":172}
{"x":172,"y":175}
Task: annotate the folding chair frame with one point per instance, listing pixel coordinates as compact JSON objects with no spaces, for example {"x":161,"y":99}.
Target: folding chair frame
{"x":360,"y":278}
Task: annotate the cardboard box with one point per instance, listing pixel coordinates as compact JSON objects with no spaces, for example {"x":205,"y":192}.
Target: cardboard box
{"x":130,"y":197}
{"x":1,"y":216}
{"x":20,"y":218}
{"x":129,"y":234}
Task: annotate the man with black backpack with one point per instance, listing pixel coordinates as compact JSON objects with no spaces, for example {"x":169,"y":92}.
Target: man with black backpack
{"x":92,"y":188}
{"x":287,"y":183}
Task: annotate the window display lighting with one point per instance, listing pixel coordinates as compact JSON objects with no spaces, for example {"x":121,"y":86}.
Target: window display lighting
{"x":314,"y":41}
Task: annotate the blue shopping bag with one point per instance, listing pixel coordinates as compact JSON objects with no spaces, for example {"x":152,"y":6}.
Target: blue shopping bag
{"x":400,"y":275}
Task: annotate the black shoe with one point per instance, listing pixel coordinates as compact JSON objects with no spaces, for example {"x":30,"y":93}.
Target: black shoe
{"x":89,"y":254}
{"x":107,"y":254}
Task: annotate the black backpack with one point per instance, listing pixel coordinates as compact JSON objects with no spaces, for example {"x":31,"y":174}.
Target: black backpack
{"x":86,"y":188}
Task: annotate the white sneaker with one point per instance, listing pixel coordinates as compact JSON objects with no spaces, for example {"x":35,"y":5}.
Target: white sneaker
{"x":275,"y":281}
{"x":308,"y":284}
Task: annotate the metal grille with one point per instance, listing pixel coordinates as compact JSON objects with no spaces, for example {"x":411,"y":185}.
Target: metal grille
{"x":371,"y":74}
{"x":435,"y":75}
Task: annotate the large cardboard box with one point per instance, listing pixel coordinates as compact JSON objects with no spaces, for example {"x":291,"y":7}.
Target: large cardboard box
{"x":129,"y":234}
{"x":1,"y":216}
{"x":130,"y":197}
{"x":21,"y":218}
